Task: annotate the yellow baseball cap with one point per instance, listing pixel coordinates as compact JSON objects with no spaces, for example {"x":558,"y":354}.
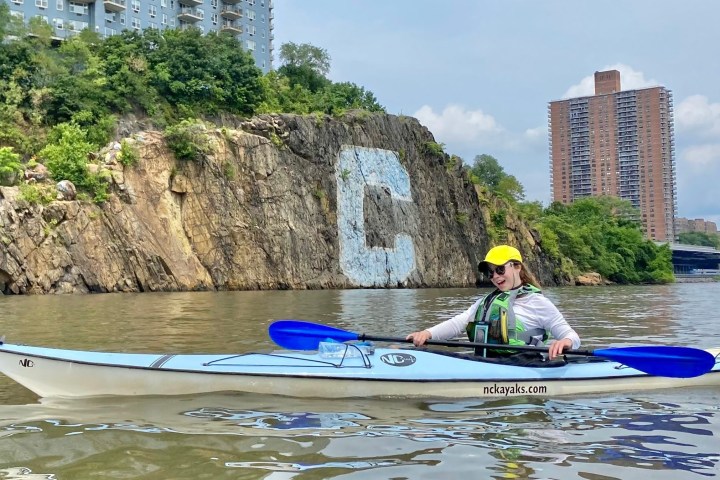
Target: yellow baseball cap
{"x":500,"y":255}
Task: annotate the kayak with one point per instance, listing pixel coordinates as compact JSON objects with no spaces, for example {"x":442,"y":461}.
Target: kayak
{"x":337,"y":370}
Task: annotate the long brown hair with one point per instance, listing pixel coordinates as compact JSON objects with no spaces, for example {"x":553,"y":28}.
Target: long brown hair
{"x":526,"y":276}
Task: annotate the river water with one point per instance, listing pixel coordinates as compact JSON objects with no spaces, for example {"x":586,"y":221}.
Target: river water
{"x":669,"y":434}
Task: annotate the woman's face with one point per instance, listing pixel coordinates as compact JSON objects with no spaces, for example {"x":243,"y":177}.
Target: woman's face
{"x":508,"y":279}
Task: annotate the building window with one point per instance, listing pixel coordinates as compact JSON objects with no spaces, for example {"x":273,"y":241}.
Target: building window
{"x":214,"y":18}
{"x":251,"y":29}
{"x":153,"y":11}
{"x":60,"y":5}
{"x":135,"y":23}
{"x":163,"y":3}
{"x":251,"y":45}
{"x":250,"y":14}
{"x":77,"y":8}
{"x":213,"y":3}
{"x":41,"y":3}
{"x":164,"y":19}
{"x":16,"y":2}
{"x":58,"y":23}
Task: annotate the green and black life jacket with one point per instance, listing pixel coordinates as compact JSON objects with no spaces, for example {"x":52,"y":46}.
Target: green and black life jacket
{"x":495,"y":322}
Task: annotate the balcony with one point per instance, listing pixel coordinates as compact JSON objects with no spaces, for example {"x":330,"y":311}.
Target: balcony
{"x":190,"y":15}
{"x":231,"y":26}
{"x":114,"y":5}
{"x":231,"y":12}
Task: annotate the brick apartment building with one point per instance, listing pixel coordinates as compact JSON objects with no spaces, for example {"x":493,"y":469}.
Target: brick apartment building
{"x":618,"y":143}
{"x":684,"y":225}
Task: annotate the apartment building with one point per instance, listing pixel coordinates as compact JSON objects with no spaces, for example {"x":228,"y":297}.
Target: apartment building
{"x":684,"y":225}
{"x":250,"y":21}
{"x":618,"y":143}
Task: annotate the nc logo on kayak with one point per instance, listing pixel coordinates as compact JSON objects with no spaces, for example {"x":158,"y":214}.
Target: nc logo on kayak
{"x":26,"y":362}
{"x":398,"y":359}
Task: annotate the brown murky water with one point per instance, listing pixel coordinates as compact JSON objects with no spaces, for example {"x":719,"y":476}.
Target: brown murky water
{"x":667,"y":434}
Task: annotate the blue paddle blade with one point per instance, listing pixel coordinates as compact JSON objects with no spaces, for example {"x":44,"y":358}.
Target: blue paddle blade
{"x":299,"y":335}
{"x":662,"y":361}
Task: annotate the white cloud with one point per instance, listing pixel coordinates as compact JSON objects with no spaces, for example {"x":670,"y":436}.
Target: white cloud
{"x":460,"y":129}
{"x":697,"y":114}
{"x":537,"y":134}
{"x":630,"y":79}
{"x":456,"y":124}
{"x":700,"y":156}
{"x":468,"y":133}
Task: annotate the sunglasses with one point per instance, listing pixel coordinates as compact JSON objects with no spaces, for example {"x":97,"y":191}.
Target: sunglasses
{"x":500,"y":270}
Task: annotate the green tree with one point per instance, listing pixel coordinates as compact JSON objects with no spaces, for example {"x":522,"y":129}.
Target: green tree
{"x":4,"y":20}
{"x":281,"y":96}
{"x":10,"y":166}
{"x":300,"y":86}
{"x":78,"y":92}
{"x":600,"y":234}
{"x":204,"y":73}
{"x":40,"y":30}
{"x":700,"y":238}
{"x":127,"y":69}
{"x":305,"y":55}
{"x":66,"y":157}
{"x":305,"y":65}
{"x":486,"y":170}
{"x":9,"y":24}
{"x":338,"y":97}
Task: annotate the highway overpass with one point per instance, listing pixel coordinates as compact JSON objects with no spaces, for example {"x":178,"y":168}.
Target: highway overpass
{"x":687,"y":258}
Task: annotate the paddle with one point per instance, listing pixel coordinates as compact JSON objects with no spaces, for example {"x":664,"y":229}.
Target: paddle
{"x":663,"y":361}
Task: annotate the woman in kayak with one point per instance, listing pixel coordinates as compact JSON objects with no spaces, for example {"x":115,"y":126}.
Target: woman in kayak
{"x":515,"y":313}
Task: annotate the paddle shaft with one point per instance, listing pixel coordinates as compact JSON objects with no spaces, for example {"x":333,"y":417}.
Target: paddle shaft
{"x":667,"y":361}
{"x":450,"y":343}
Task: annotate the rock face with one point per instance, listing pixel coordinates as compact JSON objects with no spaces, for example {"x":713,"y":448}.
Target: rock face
{"x":282,"y":202}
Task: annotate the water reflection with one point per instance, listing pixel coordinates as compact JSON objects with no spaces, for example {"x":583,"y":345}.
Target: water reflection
{"x":520,"y":436}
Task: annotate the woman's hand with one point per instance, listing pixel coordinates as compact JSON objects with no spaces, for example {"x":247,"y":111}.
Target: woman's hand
{"x":419,"y":338}
{"x":556,"y":348}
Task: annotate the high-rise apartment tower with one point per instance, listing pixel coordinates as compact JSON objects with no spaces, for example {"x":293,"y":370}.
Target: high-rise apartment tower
{"x":618,"y":143}
{"x":250,"y":21}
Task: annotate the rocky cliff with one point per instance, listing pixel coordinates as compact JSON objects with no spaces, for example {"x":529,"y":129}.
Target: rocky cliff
{"x":281,"y":202}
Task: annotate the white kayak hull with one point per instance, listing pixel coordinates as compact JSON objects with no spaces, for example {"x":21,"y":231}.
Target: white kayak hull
{"x":386,"y":372}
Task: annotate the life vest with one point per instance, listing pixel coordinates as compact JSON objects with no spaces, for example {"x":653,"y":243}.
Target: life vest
{"x":495,"y":322}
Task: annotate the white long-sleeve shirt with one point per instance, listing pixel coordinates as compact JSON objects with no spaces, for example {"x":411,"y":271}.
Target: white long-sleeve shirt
{"x":534,"y":311}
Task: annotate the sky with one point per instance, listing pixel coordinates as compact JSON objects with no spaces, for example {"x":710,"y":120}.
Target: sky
{"x":480,"y":73}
